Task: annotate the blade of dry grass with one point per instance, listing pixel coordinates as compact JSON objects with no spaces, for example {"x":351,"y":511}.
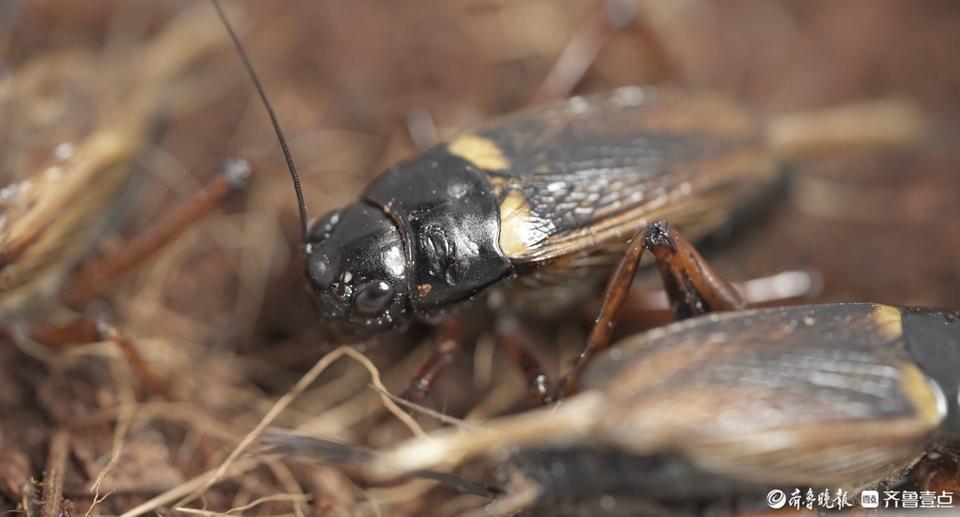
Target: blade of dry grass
{"x":288,"y":398}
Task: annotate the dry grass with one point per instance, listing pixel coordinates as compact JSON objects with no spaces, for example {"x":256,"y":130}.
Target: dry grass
{"x":359,"y":85}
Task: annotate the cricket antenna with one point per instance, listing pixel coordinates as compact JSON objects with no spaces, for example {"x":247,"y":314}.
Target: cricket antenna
{"x":273,"y":119}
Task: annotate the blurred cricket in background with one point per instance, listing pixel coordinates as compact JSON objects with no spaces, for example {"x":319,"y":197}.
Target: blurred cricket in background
{"x":79,"y":126}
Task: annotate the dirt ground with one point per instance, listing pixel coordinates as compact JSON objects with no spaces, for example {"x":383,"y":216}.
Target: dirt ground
{"x":358,"y":86}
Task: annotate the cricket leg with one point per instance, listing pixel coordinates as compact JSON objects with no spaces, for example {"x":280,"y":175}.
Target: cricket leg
{"x":652,"y":306}
{"x":85,"y":331}
{"x":449,"y":341}
{"x":692,"y":285}
{"x":512,"y":339}
{"x":96,"y":277}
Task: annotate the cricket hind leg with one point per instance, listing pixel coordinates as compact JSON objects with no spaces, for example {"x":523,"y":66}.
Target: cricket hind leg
{"x":693,"y":286}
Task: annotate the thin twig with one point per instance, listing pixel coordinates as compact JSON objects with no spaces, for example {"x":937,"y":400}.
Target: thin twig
{"x":294,"y":498}
{"x":53,"y":476}
{"x":239,"y":467}
{"x":288,"y":398}
{"x":125,"y":417}
{"x":289,"y":483}
{"x":440,"y":417}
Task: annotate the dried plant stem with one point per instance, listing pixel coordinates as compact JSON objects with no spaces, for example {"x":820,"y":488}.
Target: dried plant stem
{"x":53,"y":475}
{"x":293,"y":498}
{"x":238,"y":468}
{"x":288,"y":399}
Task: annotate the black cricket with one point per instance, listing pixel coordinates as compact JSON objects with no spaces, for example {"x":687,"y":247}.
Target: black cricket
{"x":549,"y":196}
{"x":539,"y":196}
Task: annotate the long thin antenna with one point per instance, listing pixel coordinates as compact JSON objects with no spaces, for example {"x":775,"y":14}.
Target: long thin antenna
{"x":273,"y":118}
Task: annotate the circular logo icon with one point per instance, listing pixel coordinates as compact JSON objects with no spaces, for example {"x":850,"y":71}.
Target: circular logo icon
{"x":776,"y":499}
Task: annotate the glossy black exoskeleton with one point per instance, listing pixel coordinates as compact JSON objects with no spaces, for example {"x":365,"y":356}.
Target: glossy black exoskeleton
{"x":423,"y":237}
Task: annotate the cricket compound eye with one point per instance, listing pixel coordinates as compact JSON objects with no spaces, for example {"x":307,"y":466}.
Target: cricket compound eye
{"x":358,"y":271}
{"x":373,"y":298}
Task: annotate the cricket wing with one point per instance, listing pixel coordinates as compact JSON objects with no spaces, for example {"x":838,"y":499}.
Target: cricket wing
{"x":593,"y":170}
{"x":822,"y":395}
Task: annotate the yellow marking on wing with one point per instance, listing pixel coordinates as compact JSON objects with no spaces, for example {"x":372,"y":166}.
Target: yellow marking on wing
{"x":926,"y":400}
{"x":888,"y":321}
{"x":497,"y":181}
{"x":481,"y":152}
{"x":514,"y":220}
